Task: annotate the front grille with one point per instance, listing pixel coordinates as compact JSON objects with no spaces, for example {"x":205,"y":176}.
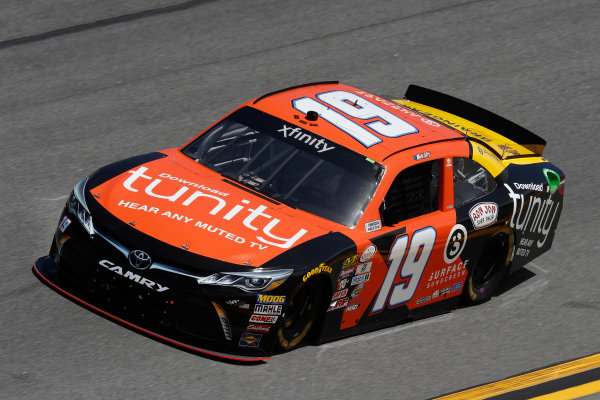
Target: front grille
{"x":175,"y":310}
{"x":181,"y":309}
{"x":129,"y":297}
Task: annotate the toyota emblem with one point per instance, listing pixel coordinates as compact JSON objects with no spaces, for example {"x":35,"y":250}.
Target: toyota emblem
{"x":139,"y":259}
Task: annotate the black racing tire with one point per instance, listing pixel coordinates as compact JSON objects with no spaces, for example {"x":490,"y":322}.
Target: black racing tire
{"x":300,"y":315}
{"x":490,"y":269}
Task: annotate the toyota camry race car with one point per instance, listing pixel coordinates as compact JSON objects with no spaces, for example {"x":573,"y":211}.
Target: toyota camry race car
{"x":319,"y":211}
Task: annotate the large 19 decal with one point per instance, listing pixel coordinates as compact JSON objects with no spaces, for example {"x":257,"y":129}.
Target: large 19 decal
{"x":411,"y":267}
{"x":337,"y":103}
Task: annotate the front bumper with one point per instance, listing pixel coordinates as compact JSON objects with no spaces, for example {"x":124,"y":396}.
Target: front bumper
{"x":48,"y":272}
{"x":93,"y":272}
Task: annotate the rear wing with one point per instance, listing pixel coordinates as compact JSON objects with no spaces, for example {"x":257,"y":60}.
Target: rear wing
{"x":477,"y":115}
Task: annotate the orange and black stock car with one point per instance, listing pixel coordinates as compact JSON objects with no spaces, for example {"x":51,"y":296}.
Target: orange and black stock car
{"x":319,"y":211}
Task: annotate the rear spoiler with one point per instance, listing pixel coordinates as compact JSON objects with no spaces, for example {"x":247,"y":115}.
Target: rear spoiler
{"x":478,"y":115}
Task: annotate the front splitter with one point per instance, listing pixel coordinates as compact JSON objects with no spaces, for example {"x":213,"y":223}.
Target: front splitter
{"x":47,"y":271}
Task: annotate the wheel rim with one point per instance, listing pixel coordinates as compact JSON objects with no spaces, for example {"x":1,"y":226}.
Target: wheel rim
{"x":298,"y":317}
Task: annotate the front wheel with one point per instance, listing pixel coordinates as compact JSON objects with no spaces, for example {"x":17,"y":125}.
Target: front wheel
{"x":300,"y":315}
{"x":490,"y":269}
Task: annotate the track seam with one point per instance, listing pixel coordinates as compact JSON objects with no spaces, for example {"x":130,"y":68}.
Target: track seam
{"x":101,"y":23}
{"x":254,"y":53}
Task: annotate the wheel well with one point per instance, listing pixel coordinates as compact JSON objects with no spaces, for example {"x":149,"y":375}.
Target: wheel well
{"x":490,"y":268}
{"x":510,"y":234}
{"x":326,"y":285}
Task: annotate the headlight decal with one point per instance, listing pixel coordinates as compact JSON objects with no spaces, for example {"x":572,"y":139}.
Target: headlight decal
{"x":259,"y":281}
{"x":76,"y":205}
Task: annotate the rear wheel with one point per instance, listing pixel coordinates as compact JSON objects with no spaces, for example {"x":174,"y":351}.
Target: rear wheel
{"x":490,"y":269}
{"x":300,"y":315}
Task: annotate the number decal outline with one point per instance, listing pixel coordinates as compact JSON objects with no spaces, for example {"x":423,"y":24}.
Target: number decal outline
{"x":336,"y":106}
{"x":419,"y":249}
{"x":365,"y":137}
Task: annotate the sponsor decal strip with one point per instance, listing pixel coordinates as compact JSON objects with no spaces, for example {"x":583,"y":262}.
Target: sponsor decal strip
{"x":346,"y":272}
{"x":250,"y":340}
{"x":270,"y":299}
{"x":264,"y":319}
{"x":360,"y":278}
{"x":340,"y":294}
{"x":338,"y":304}
{"x":259,"y":328}
{"x":268,"y":309}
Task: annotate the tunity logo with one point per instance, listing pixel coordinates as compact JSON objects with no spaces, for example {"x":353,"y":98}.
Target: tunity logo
{"x":219,"y":204}
{"x":534,"y":214}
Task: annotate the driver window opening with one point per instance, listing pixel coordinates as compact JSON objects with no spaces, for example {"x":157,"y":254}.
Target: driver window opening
{"x":414,"y":192}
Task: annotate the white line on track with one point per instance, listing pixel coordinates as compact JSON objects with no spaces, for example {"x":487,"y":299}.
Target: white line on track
{"x":534,"y":265}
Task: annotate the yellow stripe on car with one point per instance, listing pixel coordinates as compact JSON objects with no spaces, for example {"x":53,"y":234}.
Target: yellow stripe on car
{"x":506,"y":148}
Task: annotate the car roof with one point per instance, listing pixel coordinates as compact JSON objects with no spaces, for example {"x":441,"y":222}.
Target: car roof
{"x":281,"y":104}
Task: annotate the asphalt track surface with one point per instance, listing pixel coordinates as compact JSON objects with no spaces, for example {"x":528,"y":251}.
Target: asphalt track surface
{"x":83,"y":84}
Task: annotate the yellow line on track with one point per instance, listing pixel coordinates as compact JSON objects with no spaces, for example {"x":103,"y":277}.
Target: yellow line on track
{"x":527,"y":380}
{"x":572,"y":393}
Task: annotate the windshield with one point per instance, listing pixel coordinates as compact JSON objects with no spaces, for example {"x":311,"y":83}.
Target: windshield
{"x":289,"y":164}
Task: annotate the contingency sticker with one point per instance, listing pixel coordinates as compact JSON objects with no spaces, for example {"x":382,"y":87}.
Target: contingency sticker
{"x":250,"y":339}
{"x":368,"y":253}
{"x":483,"y":214}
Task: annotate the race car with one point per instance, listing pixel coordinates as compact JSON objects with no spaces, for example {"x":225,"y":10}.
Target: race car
{"x":315,"y":212}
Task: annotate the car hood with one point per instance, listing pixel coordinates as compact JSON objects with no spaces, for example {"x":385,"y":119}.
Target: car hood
{"x":186,"y":205}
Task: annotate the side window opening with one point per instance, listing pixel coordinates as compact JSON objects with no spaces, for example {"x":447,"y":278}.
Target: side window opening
{"x":471,"y":181}
{"x":414,"y":192}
